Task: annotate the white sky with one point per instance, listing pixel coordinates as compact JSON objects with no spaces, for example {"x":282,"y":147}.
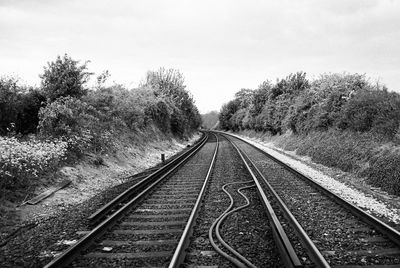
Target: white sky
{"x":219,"y":46}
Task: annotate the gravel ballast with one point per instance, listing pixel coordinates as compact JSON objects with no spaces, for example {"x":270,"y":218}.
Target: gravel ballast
{"x":248,"y":230}
{"x":378,"y":207}
{"x":339,"y":235}
{"x":151,"y":243}
{"x":46,"y":234}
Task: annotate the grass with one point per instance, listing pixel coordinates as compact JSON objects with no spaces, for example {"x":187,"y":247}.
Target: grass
{"x":367,"y":155}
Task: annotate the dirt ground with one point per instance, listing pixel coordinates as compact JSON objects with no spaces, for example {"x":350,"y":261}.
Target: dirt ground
{"x":87,"y":180}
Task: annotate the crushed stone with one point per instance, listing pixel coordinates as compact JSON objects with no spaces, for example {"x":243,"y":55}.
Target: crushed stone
{"x":363,"y":199}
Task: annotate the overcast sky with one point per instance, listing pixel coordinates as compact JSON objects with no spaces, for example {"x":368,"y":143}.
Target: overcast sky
{"x":219,"y":46}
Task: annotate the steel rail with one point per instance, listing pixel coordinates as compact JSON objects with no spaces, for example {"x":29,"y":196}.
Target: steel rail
{"x":100,"y":214}
{"x":289,"y":257}
{"x":179,"y":254}
{"x":390,"y":232}
{"x":68,"y":255}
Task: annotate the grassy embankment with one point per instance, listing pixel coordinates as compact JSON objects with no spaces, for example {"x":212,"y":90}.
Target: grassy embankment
{"x":339,"y":120}
{"x":63,"y":122}
{"x":367,"y":156}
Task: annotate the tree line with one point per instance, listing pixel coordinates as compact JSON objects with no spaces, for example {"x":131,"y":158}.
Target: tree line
{"x":332,"y":101}
{"x":64,"y":107}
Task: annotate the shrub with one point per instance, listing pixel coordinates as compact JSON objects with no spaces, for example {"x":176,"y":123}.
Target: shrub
{"x":178,"y":124}
{"x":28,"y":115}
{"x":331,"y":101}
{"x":19,"y":107}
{"x":160,"y":112}
{"x":384,"y":170}
{"x":376,"y":110}
{"x":21,"y":161}
{"x":72,"y":120}
{"x":130,"y":106}
{"x":338,"y":120}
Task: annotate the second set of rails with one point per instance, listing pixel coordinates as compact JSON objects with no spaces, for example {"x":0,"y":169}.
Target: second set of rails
{"x":156,"y":224}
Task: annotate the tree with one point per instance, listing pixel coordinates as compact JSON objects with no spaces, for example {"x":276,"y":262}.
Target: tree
{"x":64,"y":77}
{"x":19,"y":107}
{"x":260,"y":97}
{"x":245,"y":97}
{"x":102,"y":79}
{"x":376,"y":110}
{"x":210,"y":119}
{"x":9,"y":103}
{"x":31,"y":102}
{"x":167,"y":81}
{"x":226,"y":113}
{"x":170,"y":83}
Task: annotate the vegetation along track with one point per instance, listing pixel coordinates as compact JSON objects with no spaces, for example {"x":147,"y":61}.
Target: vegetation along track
{"x":153,"y":227}
{"x":328,"y":226}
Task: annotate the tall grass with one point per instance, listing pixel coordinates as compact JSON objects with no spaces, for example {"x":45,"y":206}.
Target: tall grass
{"x":365,"y":154}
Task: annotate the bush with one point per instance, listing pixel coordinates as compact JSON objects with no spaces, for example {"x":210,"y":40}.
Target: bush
{"x":21,"y":161}
{"x":345,"y":101}
{"x":75,"y":121}
{"x":19,"y":107}
{"x":160,"y":112}
{"x":28,"y":115}
{"x":80,"y":121}
{"x":384,"y":170}
{"x":375,"y":110}
{"x":130,"y":106}
{"x":338,"y":120}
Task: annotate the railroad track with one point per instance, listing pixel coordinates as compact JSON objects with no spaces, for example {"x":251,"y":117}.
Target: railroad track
{"x":152,"y":226}
{"x":154,"y":231}
{"x":155,"y":223}
{"x":232,"y":229}
{"x":324,"y":229}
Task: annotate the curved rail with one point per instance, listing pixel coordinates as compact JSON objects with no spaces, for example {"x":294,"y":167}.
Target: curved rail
{"x":68,"y":256}
{"x":179,"y":254}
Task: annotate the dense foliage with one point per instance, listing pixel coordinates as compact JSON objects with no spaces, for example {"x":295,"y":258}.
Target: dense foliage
{"x":338,"y":101}
{"x":64,"y":77}
{"x":64,"y":106}
{"x":169,"y":83}
{"x":64,"y":114}
{"x":338,"y":120}
{"x":21,"y":161}
{"x":19,"y":107}
{"x":210,"y":120}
